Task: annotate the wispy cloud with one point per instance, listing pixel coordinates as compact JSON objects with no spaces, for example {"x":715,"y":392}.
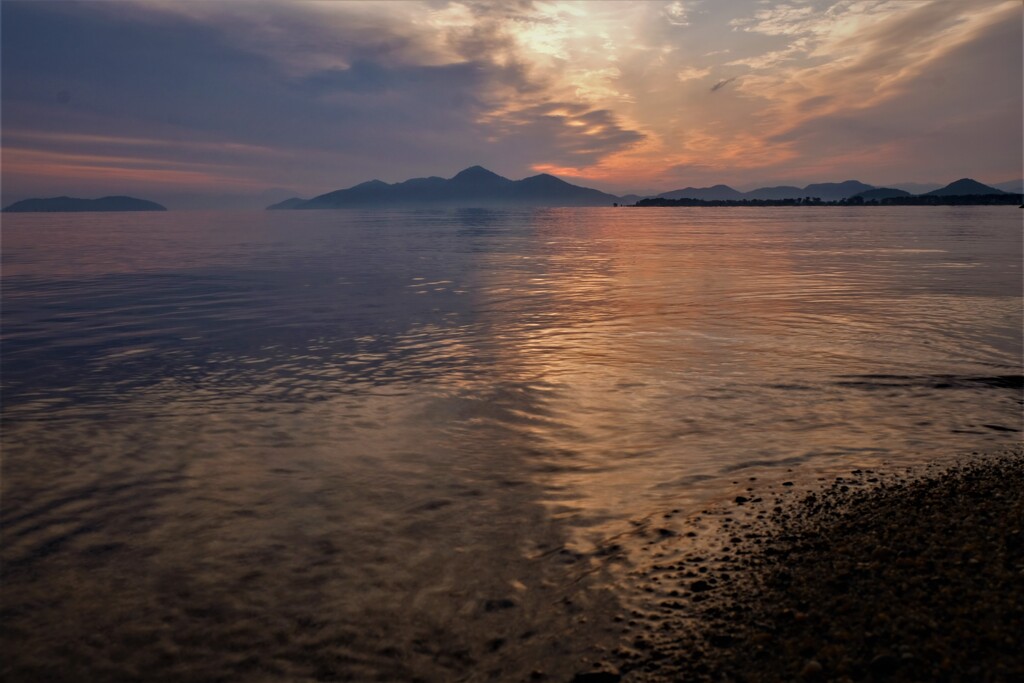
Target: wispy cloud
{"x":722,"y":83}
{"x":692,"y":73}
{"x":327,"y":94}
{"x":677,"y":13}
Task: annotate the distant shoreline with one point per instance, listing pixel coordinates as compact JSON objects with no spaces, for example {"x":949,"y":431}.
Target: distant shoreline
{"x":921,"y":200}
{"x":37,"y":206}
{"x":77,"y":205}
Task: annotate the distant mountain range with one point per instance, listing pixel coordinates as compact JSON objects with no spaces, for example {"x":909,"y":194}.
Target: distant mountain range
{"x":882,"y":193}
{"x":57,"y":204}
{"x":961,"y":192}
{"x":965,"y":187}
{"x":828,"y":192}
{"x":476,"y":186}
{"x":706,"y":193}
{"x":823,"y":191}
{"x":962,"y":188}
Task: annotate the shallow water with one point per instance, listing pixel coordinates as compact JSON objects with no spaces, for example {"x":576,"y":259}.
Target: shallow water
{"x":384,"y":444}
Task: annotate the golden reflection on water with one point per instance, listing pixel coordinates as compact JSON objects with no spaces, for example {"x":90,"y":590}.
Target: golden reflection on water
{"x":329,"y":444}
{"x":720,"y":349}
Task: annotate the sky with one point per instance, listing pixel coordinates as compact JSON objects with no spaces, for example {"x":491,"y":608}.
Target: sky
{"x":230,"y":103}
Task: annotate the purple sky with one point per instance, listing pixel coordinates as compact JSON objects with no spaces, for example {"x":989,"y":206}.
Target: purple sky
{"x":241,"y":103}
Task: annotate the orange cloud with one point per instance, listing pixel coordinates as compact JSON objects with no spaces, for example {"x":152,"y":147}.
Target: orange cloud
{"x":624,"y":94}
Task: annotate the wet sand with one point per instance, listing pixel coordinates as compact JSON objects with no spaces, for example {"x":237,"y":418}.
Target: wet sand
{"x":896,"y":575}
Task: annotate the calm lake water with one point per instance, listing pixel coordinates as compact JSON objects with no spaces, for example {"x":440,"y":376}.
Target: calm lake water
{"x":392,"y":445}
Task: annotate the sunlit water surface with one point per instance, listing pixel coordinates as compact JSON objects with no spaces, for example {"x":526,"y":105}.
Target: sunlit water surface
{"x":382,"y":445}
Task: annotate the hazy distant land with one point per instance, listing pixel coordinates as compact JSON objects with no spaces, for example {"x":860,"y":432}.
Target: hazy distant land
{"x":74,"y":204}
{"x":477,"y":186}
{"x":960,"y":193}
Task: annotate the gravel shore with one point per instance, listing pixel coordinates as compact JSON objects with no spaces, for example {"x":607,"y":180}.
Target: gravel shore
{"x":909,"y":576}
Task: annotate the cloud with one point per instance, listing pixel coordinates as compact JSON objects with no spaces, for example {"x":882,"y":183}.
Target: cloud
{"x":322,"y":95}
{"x":334,"y":89}
{"x":932,"y":120}
{"x":565,"y":134}
{"x":822,"y":89}
{"x":676,"y":13}
{"x":812,"y":103}
{"x":858,"y":69}
{"x":722,"y":83}
{"x":784,"y":20}
{"x":692,"y":73}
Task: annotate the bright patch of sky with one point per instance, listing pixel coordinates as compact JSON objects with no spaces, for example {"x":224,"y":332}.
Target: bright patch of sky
{"x":180,"y":99}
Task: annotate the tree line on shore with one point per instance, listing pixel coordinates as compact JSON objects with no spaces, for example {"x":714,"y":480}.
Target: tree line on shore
{"x":913,"y":200}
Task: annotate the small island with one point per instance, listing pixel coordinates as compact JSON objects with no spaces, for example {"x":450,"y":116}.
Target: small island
{"x":74,"y":204}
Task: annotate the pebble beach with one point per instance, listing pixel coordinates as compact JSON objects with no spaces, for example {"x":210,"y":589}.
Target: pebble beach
{"x":910,"y":574}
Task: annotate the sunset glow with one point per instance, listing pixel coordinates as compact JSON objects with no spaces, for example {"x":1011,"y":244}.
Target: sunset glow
{"x":602,"y":341}
{"x":624,"y":96}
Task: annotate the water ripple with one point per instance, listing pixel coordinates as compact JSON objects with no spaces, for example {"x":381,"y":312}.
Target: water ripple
{"x":287,"y":418}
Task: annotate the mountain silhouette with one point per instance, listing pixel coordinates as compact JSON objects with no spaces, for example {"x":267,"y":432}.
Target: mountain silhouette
{"x":835,"y":191}
{"x":551,"y":190}
{"x":472,"y":187}
{"x":59,"y":204}
{"x":882,"y":193}
{"x":962,"y":188}
{"x":479,"y":176}
{"x":713,"y":192}
{"x":823,"y":191}
{"x":777,"y":192}
{"x":290,"y":203}
{"x":477,"y":186}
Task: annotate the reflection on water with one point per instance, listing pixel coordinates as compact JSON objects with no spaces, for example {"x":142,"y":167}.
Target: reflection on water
{"x":385,"y":445}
